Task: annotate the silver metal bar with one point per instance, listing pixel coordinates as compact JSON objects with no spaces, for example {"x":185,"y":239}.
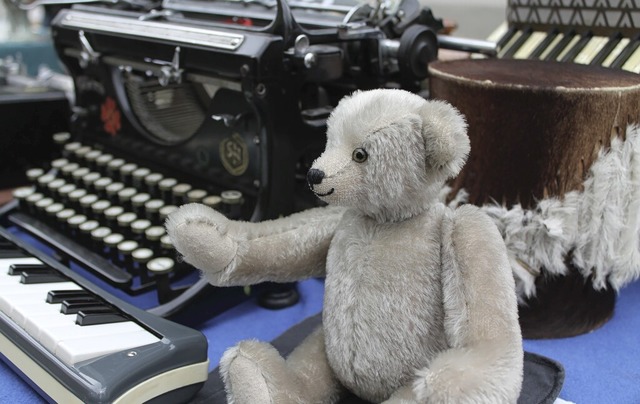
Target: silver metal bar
{"x":179,"y":34}
{"x":467,"y":45}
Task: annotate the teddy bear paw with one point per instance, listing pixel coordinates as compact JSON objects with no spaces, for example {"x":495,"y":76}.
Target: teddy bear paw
{"x":254,"y":372}
{"x":199,"y":234}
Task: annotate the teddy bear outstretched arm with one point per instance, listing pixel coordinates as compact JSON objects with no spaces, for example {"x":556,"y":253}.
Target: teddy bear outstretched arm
{"x":485,"y":361}
{"x":231,"y":253}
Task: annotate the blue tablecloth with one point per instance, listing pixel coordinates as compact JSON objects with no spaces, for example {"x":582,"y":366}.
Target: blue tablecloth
{"x":601,"y":367}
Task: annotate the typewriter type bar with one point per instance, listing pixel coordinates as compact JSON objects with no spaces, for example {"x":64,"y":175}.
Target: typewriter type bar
{"x":71,"y":362}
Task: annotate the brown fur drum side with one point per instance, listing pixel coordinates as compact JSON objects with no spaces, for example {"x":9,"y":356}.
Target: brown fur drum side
{"x":535,"y":129}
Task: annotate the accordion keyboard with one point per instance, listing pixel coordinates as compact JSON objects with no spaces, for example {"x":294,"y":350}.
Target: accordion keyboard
{"x":614,"y":51}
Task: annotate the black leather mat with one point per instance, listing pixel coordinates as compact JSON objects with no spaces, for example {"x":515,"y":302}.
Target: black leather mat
{"x":543,"y":377}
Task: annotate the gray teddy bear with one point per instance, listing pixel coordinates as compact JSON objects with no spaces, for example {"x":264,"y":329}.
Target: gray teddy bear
{"x":420,"y":303}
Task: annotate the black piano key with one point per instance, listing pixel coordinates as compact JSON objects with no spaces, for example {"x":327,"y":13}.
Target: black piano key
{"x":33,"y":277}
{"x":559,"y":47}
{"x":613,"y":41}
{"x":518,"y":43}
{"x":577,"y":48}
{"x":12,"y":252}
{"x":58,"y":296}
{"x":626,"y":53}
{"x":542,"y":46}
{"x":17,"y":269}
{"x":506,"y":37}
{"x":104,"y":315}
{"x":74,"y":307}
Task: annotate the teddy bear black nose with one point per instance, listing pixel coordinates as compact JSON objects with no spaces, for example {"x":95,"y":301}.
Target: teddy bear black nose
{"x":315,"y":176}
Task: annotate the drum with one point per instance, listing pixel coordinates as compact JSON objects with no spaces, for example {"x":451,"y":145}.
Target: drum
{"x":555,"y":161}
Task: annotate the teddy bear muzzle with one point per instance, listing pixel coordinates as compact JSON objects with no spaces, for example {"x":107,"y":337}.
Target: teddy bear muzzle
{"x":315,"y":177}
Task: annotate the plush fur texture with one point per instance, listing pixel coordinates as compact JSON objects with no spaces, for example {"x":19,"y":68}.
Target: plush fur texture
{"x":420,"y":303}
{"x":597,"y":228}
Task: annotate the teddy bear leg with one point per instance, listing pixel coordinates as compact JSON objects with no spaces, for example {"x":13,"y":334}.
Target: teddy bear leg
{"x":254,"y":372}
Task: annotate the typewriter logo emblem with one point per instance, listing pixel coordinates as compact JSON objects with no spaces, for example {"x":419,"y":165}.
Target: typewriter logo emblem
{"x":110,"y":116}
{"x":234,"y":154}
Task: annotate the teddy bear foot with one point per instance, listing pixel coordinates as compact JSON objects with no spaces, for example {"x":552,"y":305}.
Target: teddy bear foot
{"x":254,"y":373}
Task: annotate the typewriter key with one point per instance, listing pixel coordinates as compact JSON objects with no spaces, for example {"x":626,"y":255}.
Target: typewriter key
{"x":113,"y":167}
{"x":152,"y":209}
{"x":212,"y":201}
{"x":67,"y":169}
{"x":54,"y":187}
{"x":21,"y":194}
{"x":111,"y":215}
{"x":196,"y":195}
{"x":86,"y":202}
{"x":161,"y":267}
{"x":152,"y":237}
{"x":111,"y":242}
{"x":138,"y":201}
{"x":61,"y":138}
{"x":152,"y":180}
{"x":165,"y":187}
{"x":33,"y":174}
{"x":101,"y":185}
{"x":74,"y":222}
{"x":124,"y":222}
{"x":77,"y":174}
{"x":138,"y":176}
{"x":43,"y":204}
{"x":63,"y":216}
{"x":74,"y":198}
{"x":64,"y":191}
{"x":98,"y":208}
{"x":90,"y":179}
{"x":166,"y":245}
{"x":166,"y":211}
{"x":43,"y":183}
{"x":81,"y":152}
{"x":113,"y":189}
{"x":52,"y":210}
{"x":97,"y":237}
{"x":91,"y":157}
{"x":69,"y":149}
{"x":126,"y":172}
{"x":85,"y":231}
{"x":138,"y":228}
{"x":102,"y":162}
{"x":59,"y":163}
{"x":179,"y":193}
{"x":125,"y":195}
{"x":232,"y":203}
{"x":125,"y":248}
{"x":31,"y":201}
{"x":140,"y":258}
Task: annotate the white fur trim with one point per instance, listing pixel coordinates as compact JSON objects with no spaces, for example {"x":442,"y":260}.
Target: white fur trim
{"x":599,"y":226}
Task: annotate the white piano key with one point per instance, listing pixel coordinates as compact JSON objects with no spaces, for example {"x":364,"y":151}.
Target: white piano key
{"x":76,"y":350}
{"x":530,"y":45}
{"x":19,"y":293}
{"x":615,"y":52}
{"x":591,"y":50}
{"x":51,"y":336}
{"x":499,"y":32}
{"x":633,"y":63}
{"x":21,"y":312}
{"x":34,"y":325}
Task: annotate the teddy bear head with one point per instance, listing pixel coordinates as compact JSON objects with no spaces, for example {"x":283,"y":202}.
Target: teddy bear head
{"x":388,"y":153}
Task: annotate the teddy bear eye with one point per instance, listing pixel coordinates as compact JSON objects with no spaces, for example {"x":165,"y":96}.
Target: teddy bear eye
{"x":359,"y":155}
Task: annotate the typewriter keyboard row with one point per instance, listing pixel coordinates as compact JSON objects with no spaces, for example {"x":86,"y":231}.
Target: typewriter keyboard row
{"x":117,"y":209}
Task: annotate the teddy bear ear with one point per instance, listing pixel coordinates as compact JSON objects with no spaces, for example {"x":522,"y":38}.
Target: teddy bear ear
{"x":444,"y":131}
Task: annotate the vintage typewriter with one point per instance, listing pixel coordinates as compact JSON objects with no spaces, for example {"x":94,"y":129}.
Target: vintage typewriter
{"x":605,"y":33}
{"x":217,"y":102}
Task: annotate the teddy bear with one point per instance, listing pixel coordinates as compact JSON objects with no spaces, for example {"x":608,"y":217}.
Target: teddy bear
{"x":419,"y":304}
